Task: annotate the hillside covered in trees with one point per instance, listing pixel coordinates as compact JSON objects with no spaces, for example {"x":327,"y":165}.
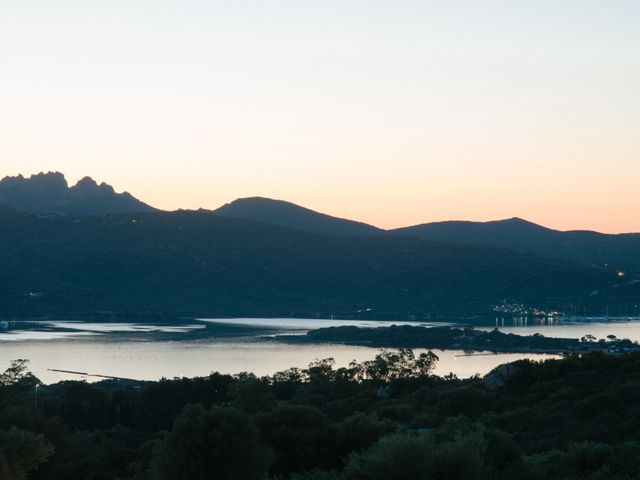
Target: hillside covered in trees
{"x":201,"y":264}
{"x":576,"y":418}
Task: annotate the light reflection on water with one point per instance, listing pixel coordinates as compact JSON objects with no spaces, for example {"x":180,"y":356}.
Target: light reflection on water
{"x":153,"y":360}
{"x":149,"y":352}
{"x":310,"y":324}
{"x":17,"y":331}
{"x":570,"y":328}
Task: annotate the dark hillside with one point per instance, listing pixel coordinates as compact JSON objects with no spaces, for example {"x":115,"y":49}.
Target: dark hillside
{"x":200,"y":263}
{"x":516,"y":234}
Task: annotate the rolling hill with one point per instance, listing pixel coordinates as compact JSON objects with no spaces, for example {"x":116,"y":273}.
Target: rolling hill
{"x":516,"y":234}
{"x":621,"y":250}
{"x":290,"y":215}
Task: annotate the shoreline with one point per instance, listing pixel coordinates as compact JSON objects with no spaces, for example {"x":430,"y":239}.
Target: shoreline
{"x":456,"y":338}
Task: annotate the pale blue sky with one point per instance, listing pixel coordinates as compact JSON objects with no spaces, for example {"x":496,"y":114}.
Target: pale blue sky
{"x":389,"y":112}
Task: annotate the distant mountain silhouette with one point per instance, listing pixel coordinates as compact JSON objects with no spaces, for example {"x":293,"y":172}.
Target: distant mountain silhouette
{"x":521,"y":235}
{"x":290,"y":215}
{"x":515,"y":234}
{"x":197,"y":263}
{"x":49,"y":194}
{"x":512,"y":232}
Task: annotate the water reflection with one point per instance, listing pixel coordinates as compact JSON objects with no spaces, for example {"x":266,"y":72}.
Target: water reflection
{"x":568,"y":327}
{"x":526,"y":321}
{"x":154,"y":360}
{"x":310,"y":324}
{"x":52,"y":330}
{"x":193,"y":348}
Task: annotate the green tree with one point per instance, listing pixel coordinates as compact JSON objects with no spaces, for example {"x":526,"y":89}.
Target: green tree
{"x":285,"y":383}
{"x":21,"y":452}
{"x":360,"y":431}
{"x":589,"y":460}
{"x":404,"y":457}
{"x":320,"y":371}
{"x":400,"y":457}
{"x":302,"y":438}
{"x":214,"y":443}
{"x":251,"y":394}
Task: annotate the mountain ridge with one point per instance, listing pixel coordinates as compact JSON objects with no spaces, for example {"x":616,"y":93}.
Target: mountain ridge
{"x":50,"y":194}
{"x":515,"y":233}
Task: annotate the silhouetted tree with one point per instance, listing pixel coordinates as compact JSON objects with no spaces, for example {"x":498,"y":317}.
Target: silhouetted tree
{"x":251,"y":394}
{"x":17,"y":374}
{"x":393,"y":365}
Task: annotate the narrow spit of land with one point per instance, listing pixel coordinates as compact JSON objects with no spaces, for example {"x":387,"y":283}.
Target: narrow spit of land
{"x":467,"y":338}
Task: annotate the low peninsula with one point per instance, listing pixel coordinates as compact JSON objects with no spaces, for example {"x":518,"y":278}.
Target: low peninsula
{"x":457,"y":338}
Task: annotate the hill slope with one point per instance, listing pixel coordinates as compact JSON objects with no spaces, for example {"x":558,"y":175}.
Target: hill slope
{"x":202,"y":264}
{"x":49,"y":194}
{"x":516,"y":234}
{"x":290,"y":215}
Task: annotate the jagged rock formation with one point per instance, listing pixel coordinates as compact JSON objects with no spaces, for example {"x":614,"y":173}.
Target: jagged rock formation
{"x":50,"y":194}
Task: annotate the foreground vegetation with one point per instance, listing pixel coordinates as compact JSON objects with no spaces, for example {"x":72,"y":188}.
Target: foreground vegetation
{"x":575,"y":418}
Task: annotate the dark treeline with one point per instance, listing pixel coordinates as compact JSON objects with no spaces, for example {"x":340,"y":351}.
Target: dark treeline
{"x":575,"y":418}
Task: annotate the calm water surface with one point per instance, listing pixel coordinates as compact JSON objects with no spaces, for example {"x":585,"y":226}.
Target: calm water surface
{"x":574,"y":328}
{"x":194,"y":348}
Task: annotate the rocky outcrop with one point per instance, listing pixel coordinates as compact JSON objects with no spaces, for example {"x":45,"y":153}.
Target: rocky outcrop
{"x":497,"y":378}
{"x":50,"y":194}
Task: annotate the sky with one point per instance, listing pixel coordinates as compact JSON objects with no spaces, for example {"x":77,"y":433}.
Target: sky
{"x":389,"y":112}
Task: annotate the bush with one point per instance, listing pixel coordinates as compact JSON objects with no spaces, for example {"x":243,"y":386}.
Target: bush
{"x":404,"y":457}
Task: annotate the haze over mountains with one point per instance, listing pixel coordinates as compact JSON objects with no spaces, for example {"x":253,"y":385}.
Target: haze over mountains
{"x":88,"y":248}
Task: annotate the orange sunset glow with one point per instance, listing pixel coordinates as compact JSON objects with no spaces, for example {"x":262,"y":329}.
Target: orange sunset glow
{"x":392,"y":115}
